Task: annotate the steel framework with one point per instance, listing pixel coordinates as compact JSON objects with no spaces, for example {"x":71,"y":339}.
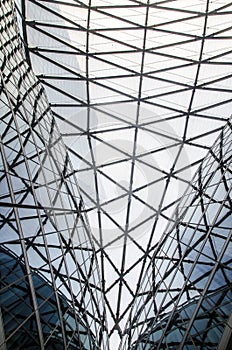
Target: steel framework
{"x":140,"y":90}
{"x":50,"y":289}
{"x":185,"y":300}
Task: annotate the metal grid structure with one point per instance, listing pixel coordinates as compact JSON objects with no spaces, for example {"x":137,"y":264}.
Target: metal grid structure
{"x":140,"y":91}
{"x":50,"y":290}
{"x":185,"y":301}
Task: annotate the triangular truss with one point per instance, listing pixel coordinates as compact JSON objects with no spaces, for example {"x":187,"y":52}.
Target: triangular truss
{"x":140,"y":91}
{"x":185,"y":297}
{"x":50,"y":281}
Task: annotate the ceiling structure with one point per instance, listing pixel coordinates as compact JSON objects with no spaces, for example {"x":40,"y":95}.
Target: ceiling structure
{"x":140,"y":90}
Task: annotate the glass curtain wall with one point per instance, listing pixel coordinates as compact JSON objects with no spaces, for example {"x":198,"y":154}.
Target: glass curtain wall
{"x":186,"y":298}
{"x":140,"y":91}
{"x":50,"y":289}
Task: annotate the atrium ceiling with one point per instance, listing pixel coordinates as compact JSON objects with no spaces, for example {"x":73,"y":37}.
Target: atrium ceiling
{"x":140,"y":91}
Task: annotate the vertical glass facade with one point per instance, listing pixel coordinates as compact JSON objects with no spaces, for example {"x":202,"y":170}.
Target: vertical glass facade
{"x":186,"y":298}
{"x":50,"y":289}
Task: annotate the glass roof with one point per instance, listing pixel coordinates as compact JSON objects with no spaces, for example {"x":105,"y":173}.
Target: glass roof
{"x":140,"y":90}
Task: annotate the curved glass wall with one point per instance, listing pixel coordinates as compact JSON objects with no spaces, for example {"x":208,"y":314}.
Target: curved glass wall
{"x":134,"y":93}
{"x":140,"y":91}
{"x":51,"y":292}
{"x":186,"y":298}
{"x":19,"y":320}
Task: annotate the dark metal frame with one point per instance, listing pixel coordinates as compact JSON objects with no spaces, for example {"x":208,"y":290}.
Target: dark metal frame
{"x":138,"y":98}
